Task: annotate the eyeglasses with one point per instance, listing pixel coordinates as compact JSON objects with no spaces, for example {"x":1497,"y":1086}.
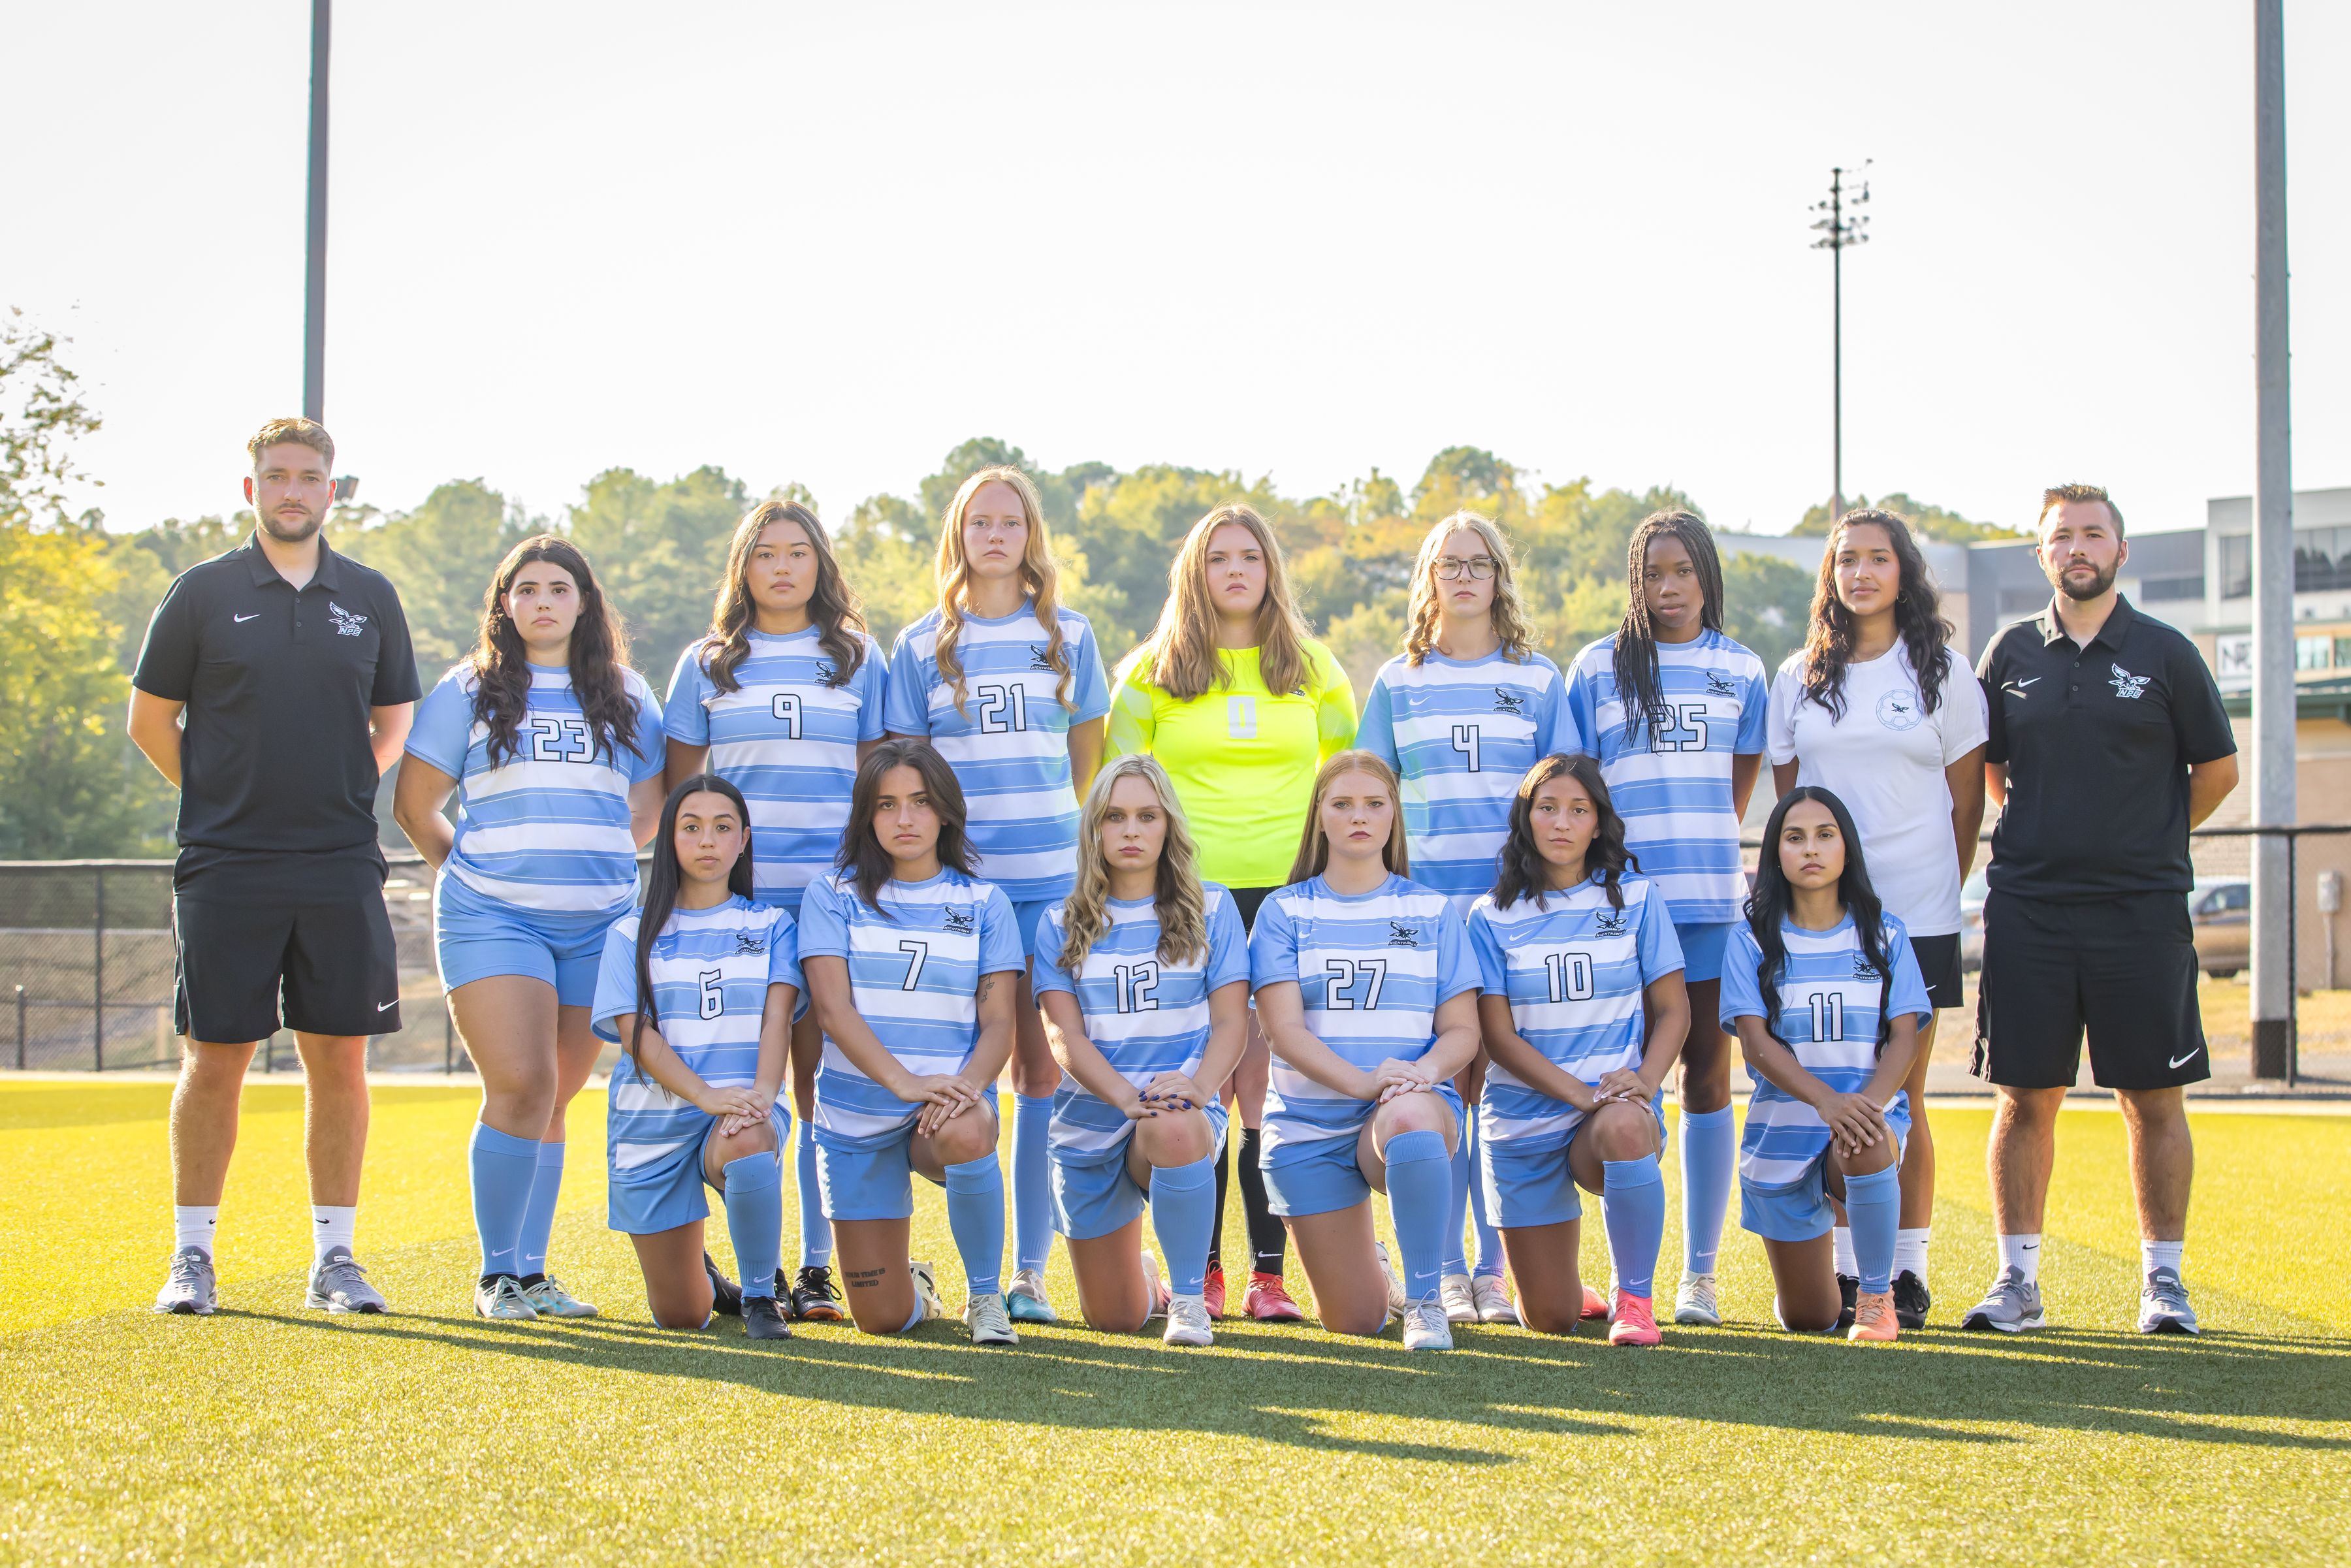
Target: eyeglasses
{"x":1448,"y":567}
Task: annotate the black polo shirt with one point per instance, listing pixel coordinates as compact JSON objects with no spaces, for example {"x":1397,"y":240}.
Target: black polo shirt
{"x":2097,"y":742}
{"x":275,"y":758}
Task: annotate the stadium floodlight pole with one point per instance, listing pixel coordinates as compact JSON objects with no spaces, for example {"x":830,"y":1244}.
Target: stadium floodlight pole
{"x":314,"y":294}
{"x":1838,"y":232}
{"x":2274,"y":707}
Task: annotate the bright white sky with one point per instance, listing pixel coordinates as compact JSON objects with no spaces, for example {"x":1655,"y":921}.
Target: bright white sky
{"x":827,"y":243}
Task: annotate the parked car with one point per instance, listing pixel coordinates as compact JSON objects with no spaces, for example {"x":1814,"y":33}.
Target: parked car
{"x":2221,"y":914}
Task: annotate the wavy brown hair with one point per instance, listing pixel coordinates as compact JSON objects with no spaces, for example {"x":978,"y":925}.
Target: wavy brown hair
{"x":599,"y":657}
{"x":1510,"y":620}
{"x":1917,"y":618}
{"x":1519,"y":864}
{"x":861,"y":853}
{"x":1314,"y":845}
{"x":1180,"y":655}
{"x":1635,"y":656}
{"x":834,"y":607}
{"x":1178,"y":899}
{"x":1040,"y":578}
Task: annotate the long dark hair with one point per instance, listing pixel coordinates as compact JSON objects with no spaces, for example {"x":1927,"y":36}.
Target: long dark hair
{"x":1769,"y":904}
{"x":599,"y":653}
{"x":833,"y":607}
{"x":1917,"y":618}
{"x":661,"y":888}
{"x":1519,"y":865}
{"x":1635,"y":653}
{"x":862,"y":852}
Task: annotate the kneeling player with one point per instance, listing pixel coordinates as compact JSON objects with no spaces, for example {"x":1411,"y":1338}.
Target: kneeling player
{"x":700,"y":986}
{"x":1142,"y":977}
{"x":1583,"y":1013}
{"x":1826,"y":999}
{"x":910,"y":961}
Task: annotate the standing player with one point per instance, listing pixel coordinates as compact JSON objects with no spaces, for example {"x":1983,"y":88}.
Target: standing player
{"x":1367,"y":991}
{"x":783,"y":699}
{"x":1142,"y":974}
{"x":2108,"y":744}
{"x":1824,"y":992}
{"x":1241,"y":707}
{"x":291,"y":668}
{"x":1675,"y":712}
{"x":1009,"y":686}
{"x":1461,"y":715}
{"x":553,"y":747}
{"x":698,"y":988}
{"x":1879,"y":708}
{"x":910,"y":960}
{"x":1584,"y":1012}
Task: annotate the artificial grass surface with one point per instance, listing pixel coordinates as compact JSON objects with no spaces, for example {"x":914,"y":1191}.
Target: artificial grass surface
{"x":269,"y":1432}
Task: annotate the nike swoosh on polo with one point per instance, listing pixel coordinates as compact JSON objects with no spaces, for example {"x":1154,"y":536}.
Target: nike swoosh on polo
{"x":387,"y":1007}
{"x":2025,"y":682}
{"x":241,"y":619}
{"x":2181,"y":1061}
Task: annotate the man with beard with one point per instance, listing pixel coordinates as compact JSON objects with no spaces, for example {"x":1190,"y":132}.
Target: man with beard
{"x":292,"y":669}
{"x":2108,"y":745}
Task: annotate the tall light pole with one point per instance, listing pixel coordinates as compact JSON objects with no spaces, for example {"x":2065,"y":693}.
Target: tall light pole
{"x":2274,"y":705}
{"x":314,"y":293}
{"x":1837,"y":232}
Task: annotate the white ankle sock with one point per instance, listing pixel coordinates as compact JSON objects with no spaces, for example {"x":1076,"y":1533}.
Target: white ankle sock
{"x":1910,"y":1252}
{"x":192,"y":1225}
{"x":2153,"y":1255}
{"x":1840,"y":1242}
{"x":2021,"y":1252}
{"x":331,"y":1227}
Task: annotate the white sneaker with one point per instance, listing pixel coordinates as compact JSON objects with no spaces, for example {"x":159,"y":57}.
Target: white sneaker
{"x":1396,"y":1302}
{"x":1693,"y":1302}
{"x":986,"y":1319}
{"x":1160,"y":1294}
{"x":1494,"y":1304}
{"x":502,"y":1298}
{"x":1187,"y":1322}
{"x":190,"y":1288}
{"x":927,"y":1290}
{"x":1459,"y":1298}
{"x":1425,"y":1328}
{"x":549,"y":1298}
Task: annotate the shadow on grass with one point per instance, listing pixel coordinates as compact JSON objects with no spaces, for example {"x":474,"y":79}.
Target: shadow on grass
{"x":1284,"y":1386}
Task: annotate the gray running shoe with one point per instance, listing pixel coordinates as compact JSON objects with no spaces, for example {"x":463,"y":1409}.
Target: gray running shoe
{"x":2011,"y":1306}
{"x":2163,"y":1305}
{"x":191,"y":1287}
{"x":338,"y":1284}
{"x":549,"y":1298}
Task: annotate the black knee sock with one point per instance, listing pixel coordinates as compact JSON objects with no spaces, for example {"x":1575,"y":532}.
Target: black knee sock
{"x":1268,"y":1242}
{"x":1224,"y":1175}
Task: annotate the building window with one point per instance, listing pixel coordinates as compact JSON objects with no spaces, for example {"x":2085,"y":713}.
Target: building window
{"x":2321,"y":562}
{"x":2236,"y":565}
{"x":2315,"y":653}
{"x":2154,"y":588}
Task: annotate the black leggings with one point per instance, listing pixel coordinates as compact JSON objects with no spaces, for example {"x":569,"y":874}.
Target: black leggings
{"x":1268,"y":1242}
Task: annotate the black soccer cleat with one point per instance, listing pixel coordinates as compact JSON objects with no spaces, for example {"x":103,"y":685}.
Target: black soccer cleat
{"x":1912,"y":1300}
{"x":763,"y":1318}
{"x":1849,"y":1293}
{"x":815,"y":1298}
{"x":726,"y":1296}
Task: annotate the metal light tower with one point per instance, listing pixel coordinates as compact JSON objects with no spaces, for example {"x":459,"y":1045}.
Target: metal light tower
{"x":314,"y":326}
{"x":1837,"y":232}
{"x":2275,"y":703}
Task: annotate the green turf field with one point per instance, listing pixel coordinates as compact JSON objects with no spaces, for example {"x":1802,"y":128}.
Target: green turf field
{"x":270,"y":1434}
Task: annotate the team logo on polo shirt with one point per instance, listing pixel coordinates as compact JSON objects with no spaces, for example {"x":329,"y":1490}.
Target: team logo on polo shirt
{"x":747,"y":946}
{"x":956,"y":920}
{"x":346,"y":623}
{"x":1719,"y":685}
{"x":2126,"y":685}
{"x":1609,"y":923}
{"x":1401,"y":936}
{"x":1898,"y":710}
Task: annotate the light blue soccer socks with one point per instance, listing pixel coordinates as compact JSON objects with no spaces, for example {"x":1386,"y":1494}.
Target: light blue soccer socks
{"x":755,"y":1219}
{"x":1183,"y":1209}
{"x":976,"y":1214}
{"x":1633,"y":1197}
{"x":1032,"y":1180}
{"x":539,"y":1214}
{"x":1420,"y":1198}
{"x":1710,"y":1164}
{"x":816,"y":1230}
{"x":1456,"y":1258}
{"x":1874,"y":1205}
{"x":502,"y":1169}
{"x":1490,"y":1240}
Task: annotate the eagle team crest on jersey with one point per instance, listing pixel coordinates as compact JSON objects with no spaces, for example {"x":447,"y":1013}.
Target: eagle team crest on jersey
{"x":1512,"y":703}
{"x":958,"y":921}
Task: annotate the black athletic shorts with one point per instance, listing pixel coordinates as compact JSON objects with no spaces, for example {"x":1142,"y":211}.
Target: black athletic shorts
{"x":1246,"y":899}
{"x":2123,"y":968}
{"x":311,"y":927}
{"x":1938,"y":966}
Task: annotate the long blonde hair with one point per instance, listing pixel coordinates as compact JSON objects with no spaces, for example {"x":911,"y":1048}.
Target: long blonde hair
{"x":1040,"y":578}
{"x":1510,"y":620}
{"x":833,"y":607}
{"x":1181,"y":902}
{"x":1180,"y":657}
{"x":1314,"y":845}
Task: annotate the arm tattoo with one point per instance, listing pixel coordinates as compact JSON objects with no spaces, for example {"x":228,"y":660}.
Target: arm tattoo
{"x":986,"y":986}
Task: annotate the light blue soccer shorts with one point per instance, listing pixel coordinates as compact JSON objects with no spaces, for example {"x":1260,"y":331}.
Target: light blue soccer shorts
{"x":667,"y":1193}
{"x":1529,"y":1186}
{"x":1029,"y":916}
{"x":1703,"y":946}
{"x":1095,"y":1196}
{"x":871,"y":1178}
{"x":1800,"y":1211}
{"x":1322,"y":1177}
{"x":475,"y":937}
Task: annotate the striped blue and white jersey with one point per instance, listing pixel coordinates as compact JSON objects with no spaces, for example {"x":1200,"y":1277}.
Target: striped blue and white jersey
{"x":547,"y":827}
{"x":1572,"y":969}
{"x":914,"y":967}
{"x":711,"y":969}
{"x":1010,"y":745}
{"x":1372,"y":969}
{"x":1828,"y":1017}
{"x":1145,"y":1015}
{"x":786,"y":739}
{"x":1671,"y":780}
{"x":1460,"y":735}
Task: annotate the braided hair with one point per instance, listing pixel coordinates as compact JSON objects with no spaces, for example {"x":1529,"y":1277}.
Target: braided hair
{"x":1635,"y":656}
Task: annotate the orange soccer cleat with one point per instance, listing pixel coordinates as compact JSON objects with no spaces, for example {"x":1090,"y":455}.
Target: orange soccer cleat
{"x":1873,"y":1318}
{"x":1634,"y":1322}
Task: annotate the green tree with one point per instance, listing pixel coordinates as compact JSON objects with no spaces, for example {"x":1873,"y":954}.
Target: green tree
{"x":1767,"y":605}
{"x":660,"y":550}
{"x":1925,"y":519}
{"x":442,"y":558}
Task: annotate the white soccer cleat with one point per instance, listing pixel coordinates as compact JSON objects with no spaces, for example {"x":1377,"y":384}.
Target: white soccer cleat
{"x":1494,"y":1304}
{"x":1693,"y":1302}
{"x":1459,"y":1298}
{"x":549,"y":1298}
{"x":988,"y":1321}
{"x":1187,"y":1322}
{"x":502,"y":1300}
{"x":927,"y":1290}
{"x":1396,"y":1298}
{"x":1425,"y":1328}
{"x":1155,"y":1287}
